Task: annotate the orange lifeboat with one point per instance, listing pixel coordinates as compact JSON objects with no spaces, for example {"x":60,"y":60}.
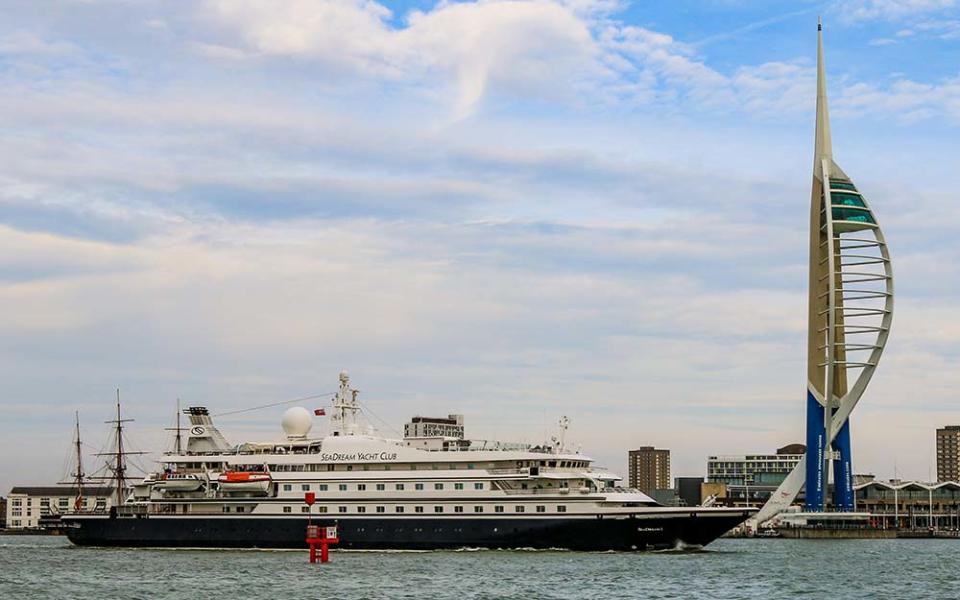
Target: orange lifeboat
{"x":251,"y":482}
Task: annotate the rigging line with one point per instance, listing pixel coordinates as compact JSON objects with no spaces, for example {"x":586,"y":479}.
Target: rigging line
{"x":243,"y":410}
{"x":365,"y":408}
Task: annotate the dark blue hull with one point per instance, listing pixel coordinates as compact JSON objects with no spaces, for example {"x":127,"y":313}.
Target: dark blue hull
{"x":624,"y":533}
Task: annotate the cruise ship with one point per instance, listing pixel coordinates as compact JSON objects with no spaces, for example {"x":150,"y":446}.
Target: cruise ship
{"x":417,"y":493}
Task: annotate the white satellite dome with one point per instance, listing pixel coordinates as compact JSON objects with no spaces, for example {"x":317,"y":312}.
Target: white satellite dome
{"x":297,"y":422}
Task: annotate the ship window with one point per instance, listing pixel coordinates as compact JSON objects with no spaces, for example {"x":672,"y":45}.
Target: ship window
{"x":304,"y":509}
{"x":478,"y":486}
{"x":287,"y":509}
{"x":225,"y":509}
{"x":342,"y":509}
{"x":330,"y":467}
{"x":349,"y":467}
{"x":381,"y":509}
{"x":552,"y":463}
{"x":381,"y":487}
{"x":322,"y":487}
{"x":477,"y":509}
{"x":561,"y":508}
{"x":438,"y":486}
{"x":342,"y":487}
{"x":239,"y":509}
{"x":287,"y":487}
{"x":497,"y":509}
{"x":541,"y":509}
{"x":399,"y":509}
{"x":361,"y":486}
{"x":305,"y":487}
{"x":519,"y":508}
{"x":322,"y":509}
{"x":458,"y":509}
{"x":469,"y":465}
{"x":418,"y":486}
{"x":418,"y":509}
{"x":438,"y":509}
{"x":400,"y":486}
{"x":458,"y":486}
{"x":361,"y":509}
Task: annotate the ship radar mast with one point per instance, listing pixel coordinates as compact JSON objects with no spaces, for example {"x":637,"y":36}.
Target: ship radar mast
{"x":346,"y":410}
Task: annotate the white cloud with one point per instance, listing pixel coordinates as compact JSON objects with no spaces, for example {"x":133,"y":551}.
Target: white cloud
{"x":869,"y":10}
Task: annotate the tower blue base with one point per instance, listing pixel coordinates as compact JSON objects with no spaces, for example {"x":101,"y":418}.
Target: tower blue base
{"x":843,"y":471}
{"x":816,"y":442}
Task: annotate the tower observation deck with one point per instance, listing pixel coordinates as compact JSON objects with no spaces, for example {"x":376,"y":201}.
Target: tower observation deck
{"x":850,"y":311}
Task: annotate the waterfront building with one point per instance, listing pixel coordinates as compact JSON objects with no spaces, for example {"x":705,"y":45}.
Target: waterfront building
{"x":27,"y":505}
{"x":450,"y":426}
{"x":850,"y":312}
{"x":3,"y":513}
{"x":948,"y":453}
{"x":754,"y":469}
{"x":910,"y":504}
{"x":648,"y":468}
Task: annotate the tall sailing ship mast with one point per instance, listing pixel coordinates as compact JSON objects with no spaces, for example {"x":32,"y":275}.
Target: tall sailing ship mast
{"x":117,"y":458}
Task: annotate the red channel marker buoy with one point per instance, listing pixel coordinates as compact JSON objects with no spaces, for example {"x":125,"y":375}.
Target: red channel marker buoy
{"x":318,"y":535}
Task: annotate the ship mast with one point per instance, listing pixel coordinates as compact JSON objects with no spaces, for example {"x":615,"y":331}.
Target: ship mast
{"x":118,"y":467}
{"x":178,"y":438}
{"x":78,"y":475}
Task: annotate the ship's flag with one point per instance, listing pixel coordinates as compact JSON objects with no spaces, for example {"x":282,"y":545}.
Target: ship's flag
{"x":319,"y":412}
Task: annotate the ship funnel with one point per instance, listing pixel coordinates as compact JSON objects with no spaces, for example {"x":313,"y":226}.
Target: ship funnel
{"x":204,"y":436}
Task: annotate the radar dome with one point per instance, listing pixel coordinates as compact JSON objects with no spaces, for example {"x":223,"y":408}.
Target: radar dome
{"x":297,"y":422}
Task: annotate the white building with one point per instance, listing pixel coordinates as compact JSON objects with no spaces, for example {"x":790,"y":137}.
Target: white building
{"x":27,"y":504}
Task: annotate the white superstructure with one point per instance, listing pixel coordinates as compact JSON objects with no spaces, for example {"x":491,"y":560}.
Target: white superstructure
{"x":353,"y":471}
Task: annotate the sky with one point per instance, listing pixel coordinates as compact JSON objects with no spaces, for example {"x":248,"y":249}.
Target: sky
{"x":513,"y":210}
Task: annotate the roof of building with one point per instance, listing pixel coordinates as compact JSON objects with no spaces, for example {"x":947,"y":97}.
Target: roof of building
{"x":59,"y":490}
{"x":908,"y":485}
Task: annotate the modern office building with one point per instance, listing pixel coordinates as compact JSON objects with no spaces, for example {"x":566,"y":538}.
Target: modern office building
{"x":948,"y":453}
{"x":850,"y":312}
{"x":26,"y":505}
{"x":648,"y":469}
{"x":754,"y":469}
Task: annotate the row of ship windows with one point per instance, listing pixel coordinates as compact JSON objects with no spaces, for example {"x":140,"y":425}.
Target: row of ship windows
{"x":400,"y":509}
{"x":567,"y":464}
{"x":380,"y":487}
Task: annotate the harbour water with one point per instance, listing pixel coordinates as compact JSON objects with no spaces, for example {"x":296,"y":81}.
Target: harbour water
{"x":49,"y":567}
